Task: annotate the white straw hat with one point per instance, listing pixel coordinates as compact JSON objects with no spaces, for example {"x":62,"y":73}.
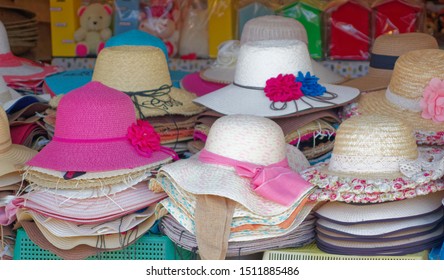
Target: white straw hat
{"x":269,"y":27}
{"x":265,"y":83}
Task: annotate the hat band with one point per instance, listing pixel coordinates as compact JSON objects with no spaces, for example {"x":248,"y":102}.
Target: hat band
{"x":87,"y":141}
{"x":402,"y":102}
{"x":275,"y":182}
{"x":364,"y":164}
{"x":381,"y":61}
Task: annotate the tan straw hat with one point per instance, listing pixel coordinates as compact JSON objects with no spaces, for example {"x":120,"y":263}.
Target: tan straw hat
{"x":385,"y":51}
{"x":12,"y":156}
{"x":375,"y":159}
{"x":413,"y":74}
{"x":142,"y":73}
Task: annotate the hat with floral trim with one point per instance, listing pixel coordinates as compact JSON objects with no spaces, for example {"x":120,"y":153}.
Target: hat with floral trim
{"x":376,"y":159}
{"x":275,"y":78}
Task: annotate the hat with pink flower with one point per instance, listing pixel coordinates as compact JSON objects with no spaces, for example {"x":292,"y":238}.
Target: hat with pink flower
{"x":415,"y":94}
{"x":376,"y":159}
{"x":97,"y":131}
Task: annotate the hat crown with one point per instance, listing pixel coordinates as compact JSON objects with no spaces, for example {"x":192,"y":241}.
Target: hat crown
{"x":5,"y":134}
{"x":132,"y":68}
{"x":94,"y":111}
{"x":372,"y":144}
{"x":414,"y":70}
{"x":273,"y":27}
{"x":398,"y":44}
{"x":4,"y":40}
{"x":247,"y":138}
{"x":260,"y":60}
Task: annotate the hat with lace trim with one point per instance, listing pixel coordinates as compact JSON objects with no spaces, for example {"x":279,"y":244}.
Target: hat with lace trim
{"x":275,"y":78}
{"x":87,"y":139}
{"x":269,"y":27}
{"x":376,"y":159}
{"x":248,"y":160}
{"x":415,"y":93}
{"x":142,"y":73}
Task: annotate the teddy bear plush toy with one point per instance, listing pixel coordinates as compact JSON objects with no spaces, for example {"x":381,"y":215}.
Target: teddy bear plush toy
{"x":94,"y":31}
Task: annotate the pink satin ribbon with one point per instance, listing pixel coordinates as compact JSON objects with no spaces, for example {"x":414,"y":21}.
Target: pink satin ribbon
{"x":275,"y":182}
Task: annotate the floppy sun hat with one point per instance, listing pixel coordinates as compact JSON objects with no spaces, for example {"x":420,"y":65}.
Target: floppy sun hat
{"x":97,"y":131}
{"x":275,"y":78}
{"x":385,"y":51}
{"x":269,"y":27}
{"x":376,"y":159}
{"x":142,"y":73}
{"x":248,"y":160}
{"x":415,"y":93}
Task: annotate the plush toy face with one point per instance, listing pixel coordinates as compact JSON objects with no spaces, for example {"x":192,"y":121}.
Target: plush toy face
{"x":95,"y":17}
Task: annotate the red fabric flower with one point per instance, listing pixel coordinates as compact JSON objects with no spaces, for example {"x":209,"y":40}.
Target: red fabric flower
{"x":144,"y":138}
{"x":283,"y":88}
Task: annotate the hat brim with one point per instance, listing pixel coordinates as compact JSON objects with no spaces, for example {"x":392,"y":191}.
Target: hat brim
{"x":192,"y":175}
{"x":377,"y":103}
{"x":325,"y":75}
{"x":193,"y":83}
{"x":15,"y":158}
{"x":233,"y":99}
{"x":94,"y":157}
{"x":15,"y":105}
{"x":26,"y":70}
{"x":369,"y":83}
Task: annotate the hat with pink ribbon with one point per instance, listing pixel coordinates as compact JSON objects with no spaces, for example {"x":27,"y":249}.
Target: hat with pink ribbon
{"x":97,"y":131}
{"x":247,"y":160}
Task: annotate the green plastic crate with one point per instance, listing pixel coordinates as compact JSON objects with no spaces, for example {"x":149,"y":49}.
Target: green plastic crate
{"x":148,"y":247}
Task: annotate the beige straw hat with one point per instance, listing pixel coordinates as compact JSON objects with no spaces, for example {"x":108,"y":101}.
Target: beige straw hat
{"x":412,"y":74}
{"x":12,"y":156}
{"x":375,"y":158}
{"x":269,"y":27}
{"x":142,"y":73}
{"x":385,"y":51}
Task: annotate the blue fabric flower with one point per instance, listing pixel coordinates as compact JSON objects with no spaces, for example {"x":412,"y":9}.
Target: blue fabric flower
{"x":310,"y":85}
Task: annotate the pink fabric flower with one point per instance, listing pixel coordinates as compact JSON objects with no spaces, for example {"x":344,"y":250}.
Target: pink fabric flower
{"x":144,"y":138}
{"x":283,"y":88}
{"x":432,"y":103}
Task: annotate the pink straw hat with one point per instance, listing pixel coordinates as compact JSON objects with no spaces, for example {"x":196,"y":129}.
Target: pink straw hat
{"x":96,"y":130}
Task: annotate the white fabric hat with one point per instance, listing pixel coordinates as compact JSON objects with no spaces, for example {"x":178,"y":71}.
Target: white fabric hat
{"x":269,"y":27}
{"x":260,"y":61}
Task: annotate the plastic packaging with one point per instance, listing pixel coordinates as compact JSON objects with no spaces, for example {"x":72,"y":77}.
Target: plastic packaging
{"x":194,"y":32}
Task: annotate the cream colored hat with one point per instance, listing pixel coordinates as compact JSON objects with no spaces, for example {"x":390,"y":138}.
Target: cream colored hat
{"x":416,"y":77}
{"x":262,"y":62}
{"x":385,"y":51}
{"x":270,"y":27}
{"x":142,"y":73}
{"x":376,"y":159}
{"x":12,"y":156}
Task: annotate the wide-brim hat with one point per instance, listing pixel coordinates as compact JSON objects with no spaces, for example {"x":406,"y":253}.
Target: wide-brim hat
{"x":84,"y":129}
{"x":243,"y":138}
{"x":412,"y":77}
{"x":142,"y":73}
{"x":385,"y":51}
{"x":269,"y":27}
{"x":12,"y":156}
{"x":272,"y":66}
{"x":195,"y":84}
{"x":376,"y":159}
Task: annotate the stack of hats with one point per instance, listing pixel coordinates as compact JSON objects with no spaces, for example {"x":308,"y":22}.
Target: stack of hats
{"x":21,"y":73}
{"x":88,"y":187}
{"x":375,"y":162}
{"x":269,"y":27}
{"x":275,"y":79}
{"x":142,"y":73}
{"x":254,"y":194}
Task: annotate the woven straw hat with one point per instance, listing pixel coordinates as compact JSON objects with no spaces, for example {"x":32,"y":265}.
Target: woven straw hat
{"x":243,"y":138}
{"x":385,"y":51}
{"x":142,"y":73}
{"x":258,"y":62}
{"x":375,"y":159}
{"x":269,"y":27}
{"x":94,"y":120}
{"x":12,"y":156}
{"x":412,"y":74}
